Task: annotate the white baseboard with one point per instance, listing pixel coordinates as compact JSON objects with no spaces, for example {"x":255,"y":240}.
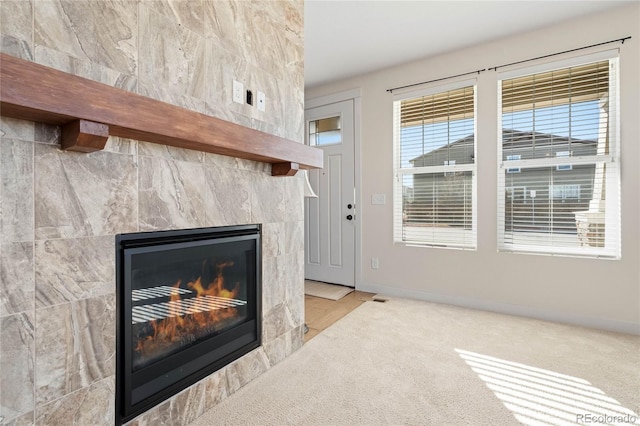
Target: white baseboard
{"x":504,"y":308}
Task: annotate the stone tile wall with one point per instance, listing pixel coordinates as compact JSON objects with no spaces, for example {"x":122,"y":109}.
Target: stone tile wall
{"x":59,"y":211}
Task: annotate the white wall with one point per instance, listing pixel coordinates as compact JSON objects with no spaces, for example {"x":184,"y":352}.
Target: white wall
{"x":598,"y":293}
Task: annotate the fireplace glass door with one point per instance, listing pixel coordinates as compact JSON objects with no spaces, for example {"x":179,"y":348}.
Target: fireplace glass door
{"x":189,"y":304}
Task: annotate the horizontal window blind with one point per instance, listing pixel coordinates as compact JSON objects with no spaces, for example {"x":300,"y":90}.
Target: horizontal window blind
{"x":558,"y":181}
{"x":434,"y":164}
{"x":569,"y":85}
{"x":444,"y":106}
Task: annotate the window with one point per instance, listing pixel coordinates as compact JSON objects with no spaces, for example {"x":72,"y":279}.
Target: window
{"x":325,"y":131}
{"x":513,"y":169}
{"x":434,"y":167}
{"x":564,"y":192}
{"x":559,"y":144}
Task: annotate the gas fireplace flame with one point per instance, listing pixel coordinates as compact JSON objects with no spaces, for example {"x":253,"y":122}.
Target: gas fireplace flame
{"x":178,"y":329}
{"x":215,"y":288}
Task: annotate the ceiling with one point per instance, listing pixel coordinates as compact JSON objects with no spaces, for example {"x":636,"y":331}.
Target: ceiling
{"x":348,"y":38}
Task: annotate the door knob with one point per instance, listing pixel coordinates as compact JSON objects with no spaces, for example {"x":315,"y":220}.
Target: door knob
{"x":349,"y":206}
{"x":349,"y":217}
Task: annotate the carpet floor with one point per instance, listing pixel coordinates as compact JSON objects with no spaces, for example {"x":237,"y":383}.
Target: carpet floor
{"x":407,"y":362}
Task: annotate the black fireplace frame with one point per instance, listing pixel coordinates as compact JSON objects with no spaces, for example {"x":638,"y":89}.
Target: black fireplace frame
{"x":199,"y":360}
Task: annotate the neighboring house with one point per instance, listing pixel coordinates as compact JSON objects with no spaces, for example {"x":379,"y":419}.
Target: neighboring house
{"x":440,"y":199}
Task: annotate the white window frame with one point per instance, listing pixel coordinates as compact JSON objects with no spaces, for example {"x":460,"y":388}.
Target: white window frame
{"x":612,"y":243}
{"x":451,"y":168}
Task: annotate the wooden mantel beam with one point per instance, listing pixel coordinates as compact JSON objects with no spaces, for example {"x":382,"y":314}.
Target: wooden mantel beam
{"x":30,"y":91}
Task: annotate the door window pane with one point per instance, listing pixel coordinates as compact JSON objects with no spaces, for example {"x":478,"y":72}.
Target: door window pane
{"x":326,"y":131}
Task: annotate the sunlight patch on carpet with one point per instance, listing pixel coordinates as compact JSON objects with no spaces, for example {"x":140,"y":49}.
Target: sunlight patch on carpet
{"x":540,"y":397}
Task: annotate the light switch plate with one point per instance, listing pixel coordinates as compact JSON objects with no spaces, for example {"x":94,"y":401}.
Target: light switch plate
{"x":238,"y":92}
{"x":378,"y":199}
{"x":375,"y":263}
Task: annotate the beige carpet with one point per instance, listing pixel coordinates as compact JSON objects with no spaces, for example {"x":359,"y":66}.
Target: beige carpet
{"x":407,"y":362}
{"x":326,"y":291}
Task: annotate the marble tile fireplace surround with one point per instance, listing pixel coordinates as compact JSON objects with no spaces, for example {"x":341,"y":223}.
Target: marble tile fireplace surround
{"x":61,"y":212}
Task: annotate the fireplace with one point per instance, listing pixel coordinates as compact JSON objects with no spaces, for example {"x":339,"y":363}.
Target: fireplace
{"x":188,"y":304}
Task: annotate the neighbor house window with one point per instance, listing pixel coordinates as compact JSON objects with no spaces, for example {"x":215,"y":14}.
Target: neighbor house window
{"x":435,"y":167}
{"x":558,"y":146}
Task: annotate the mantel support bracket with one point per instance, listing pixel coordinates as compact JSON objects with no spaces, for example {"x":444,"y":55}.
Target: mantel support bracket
{"x":284,"y":169}
{"x":84,"y":136}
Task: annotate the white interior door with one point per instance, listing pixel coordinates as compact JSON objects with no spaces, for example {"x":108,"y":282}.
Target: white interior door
{"x":330,"y":218}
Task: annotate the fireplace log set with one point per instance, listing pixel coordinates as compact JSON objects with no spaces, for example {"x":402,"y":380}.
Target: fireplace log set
{"x":166,"y":319}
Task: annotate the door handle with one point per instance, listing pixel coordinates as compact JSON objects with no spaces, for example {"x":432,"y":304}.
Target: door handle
{"x":349,"y":206}
{"x":349,"y":217}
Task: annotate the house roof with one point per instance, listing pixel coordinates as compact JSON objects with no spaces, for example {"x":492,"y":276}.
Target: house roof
{"x":513,"y":140}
